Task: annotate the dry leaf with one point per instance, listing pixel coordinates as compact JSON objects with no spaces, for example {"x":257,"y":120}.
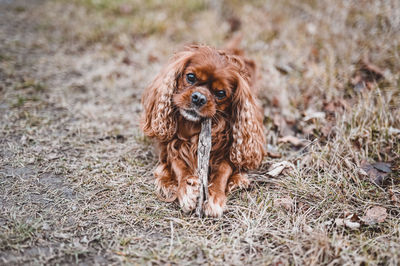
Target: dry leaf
{"x":333,"y":107}
{"x":126,"y":60}
{"x":311,"y":114}
{"x":277,"y":168}
{"x":125,"y":9}
{"x":339,"y":222}
{"x":351,"y":221}
{"x":373,"y":71}
{"x":292,"y":140}
{"x":285,"y":202}
{"x":394,"y":197}
{"x":351,"y":225}
{"x":366,"y":76}
{"x":282,"y":124}
{"x":374,"y":215}
{"x":383,"y":167}
{"x":284,"y":68}
{"x":274,"y":154}
{"x":53,"y":156}
{"x":275,"y":102}
{"x":377,"y":172}
{"x":393,"y":131}
{"x":273,"y":151}
{"x":234,"y":23}
{"x":151,"y":58}
{"x":62,"y":235}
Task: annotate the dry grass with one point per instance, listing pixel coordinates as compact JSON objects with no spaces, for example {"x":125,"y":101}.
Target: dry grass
{"x":75,"y":170}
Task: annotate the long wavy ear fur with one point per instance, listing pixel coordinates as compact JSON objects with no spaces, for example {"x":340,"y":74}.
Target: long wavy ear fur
{"x":247,"y":149}
{"x":159,"y":119}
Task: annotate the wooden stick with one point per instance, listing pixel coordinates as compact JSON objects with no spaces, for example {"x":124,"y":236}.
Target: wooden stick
{"x":203,"y":161}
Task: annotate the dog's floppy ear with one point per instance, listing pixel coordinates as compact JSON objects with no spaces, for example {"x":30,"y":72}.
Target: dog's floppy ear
{"x":159,"y":118}
{"x":247,"y":149}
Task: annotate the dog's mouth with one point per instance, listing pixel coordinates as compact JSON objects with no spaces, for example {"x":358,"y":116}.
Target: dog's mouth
{"x":190,"y":114}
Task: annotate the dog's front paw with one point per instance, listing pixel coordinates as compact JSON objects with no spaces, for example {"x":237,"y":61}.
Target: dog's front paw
{"x":188,"y":193}
{"x":215,"y":205}
{"x":166,"y":186}
{"x":238,"y":181}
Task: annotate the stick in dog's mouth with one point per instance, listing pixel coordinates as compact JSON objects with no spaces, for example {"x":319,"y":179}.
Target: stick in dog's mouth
{"x":203,"y":161}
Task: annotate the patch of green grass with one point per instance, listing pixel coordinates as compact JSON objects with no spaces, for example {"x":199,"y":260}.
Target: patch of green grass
{"x":16,"y":233}
{"x":30,"y":83}
{"x":4,"y":57}
{"x":141,"y":17}
{"x":20,"y":101}
{"x":19,"y":9}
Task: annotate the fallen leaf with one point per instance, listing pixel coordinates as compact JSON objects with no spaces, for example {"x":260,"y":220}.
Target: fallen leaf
{"x":292,"y":140}
{"x":339,"y":222}
{"x":275,"y":101}
{"x":234,"y":23}
{"x":374,"y":215}
{"x":367,"y":75}
{"x":125,"y":9}
{"x":311,"y":114}
{"x":53,"y":156}
{"x":283,"y":125}
{"x":383,"y":167}
{"x":351,"y":221}
{"x":286,"y":203}
{"x":336,"y":106}
{"x":273,"y":151}
{"x":126,"y":60}
{"x":62,"y":235}
{"x":374,"y":72}
{"x":352,"y":225}
{"x":277,"y":168}
{"x":393,"y":131}
{"x":376,"y":172}
{"x":395,"y":197}
{"x":274,"y":154}
{"x":152,"y":58}
{"x":284,"y":68}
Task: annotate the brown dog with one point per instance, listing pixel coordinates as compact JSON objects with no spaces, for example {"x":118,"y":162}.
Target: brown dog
{"x":200,"y":82}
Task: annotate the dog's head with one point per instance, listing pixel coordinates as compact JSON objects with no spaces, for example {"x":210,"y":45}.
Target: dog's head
{"x":200,"y":82}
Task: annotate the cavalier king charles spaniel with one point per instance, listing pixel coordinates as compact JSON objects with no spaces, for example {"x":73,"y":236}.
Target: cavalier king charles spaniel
{"x":202,"y":82}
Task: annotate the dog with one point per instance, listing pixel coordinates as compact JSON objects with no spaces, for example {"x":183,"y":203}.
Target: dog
{"x":203,"y":82}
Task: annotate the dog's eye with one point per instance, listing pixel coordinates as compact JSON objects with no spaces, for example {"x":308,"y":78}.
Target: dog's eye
{"x":220,"y":94}
{"x":191,"y":78}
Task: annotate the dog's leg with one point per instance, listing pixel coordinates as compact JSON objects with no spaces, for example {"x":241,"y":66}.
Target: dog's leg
{"x":237,"y":181}
{"x":217,"y":198}
{"x":188,"y":185}
{"x":166,"y":184}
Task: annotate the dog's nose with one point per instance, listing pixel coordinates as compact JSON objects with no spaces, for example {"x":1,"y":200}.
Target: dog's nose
{"x":198,"y":99}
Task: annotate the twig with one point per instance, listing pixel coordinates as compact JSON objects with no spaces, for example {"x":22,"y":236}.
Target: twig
{"x":203,"y":160}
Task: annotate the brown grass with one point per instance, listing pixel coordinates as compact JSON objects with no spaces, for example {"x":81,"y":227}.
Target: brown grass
{"x":75,"y":170}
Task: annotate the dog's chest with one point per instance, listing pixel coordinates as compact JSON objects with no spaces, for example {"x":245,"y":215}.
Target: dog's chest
{"x":188,"y":130}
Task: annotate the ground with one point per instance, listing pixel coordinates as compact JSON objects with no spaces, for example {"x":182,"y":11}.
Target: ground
{"x":76,"y":184}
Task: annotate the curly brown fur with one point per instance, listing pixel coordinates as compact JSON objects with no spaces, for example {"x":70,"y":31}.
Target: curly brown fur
{"x":200,"y":82}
